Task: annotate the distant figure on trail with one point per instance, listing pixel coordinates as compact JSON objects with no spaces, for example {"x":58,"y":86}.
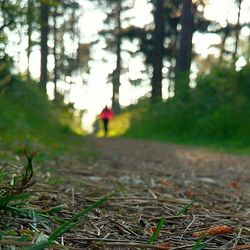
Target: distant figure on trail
{"x":106,"y":115}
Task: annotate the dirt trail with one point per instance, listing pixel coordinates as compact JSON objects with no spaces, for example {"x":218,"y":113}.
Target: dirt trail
{"x":159,"y":180}
{"x":149,"y":159}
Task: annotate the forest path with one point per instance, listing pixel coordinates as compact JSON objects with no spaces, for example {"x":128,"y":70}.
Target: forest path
{"x":159,"y":180}
{"x":149,"y":159}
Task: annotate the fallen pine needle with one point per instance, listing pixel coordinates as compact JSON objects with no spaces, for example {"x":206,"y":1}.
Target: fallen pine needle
{"x":221,"y":229}
{"x":166,"y":244}
{"x":242,"y":247}
{"x":130,"y":245}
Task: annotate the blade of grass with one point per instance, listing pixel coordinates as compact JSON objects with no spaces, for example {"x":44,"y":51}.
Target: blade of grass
{"x":68,"y":225}
{"x":5,"y":200}
{"x":39,"y":214}
{"x":156,"y":232}
{"x":56,"y":209}
{"x":28,"y":213}
{"x":199,"y":245}
{"x":185,"y":209}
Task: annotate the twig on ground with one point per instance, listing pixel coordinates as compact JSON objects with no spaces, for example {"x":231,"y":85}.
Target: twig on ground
{"x":238,"y":237}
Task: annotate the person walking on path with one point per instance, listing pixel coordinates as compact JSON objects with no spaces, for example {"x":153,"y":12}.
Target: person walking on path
{"x":106,"y":115}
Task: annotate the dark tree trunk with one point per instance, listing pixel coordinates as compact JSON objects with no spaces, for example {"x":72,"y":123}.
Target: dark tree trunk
{"x":117,"y":71}
{"x":55,"y":55}
{"x":158,"y":50}
{"x":29,"y":32}
{"x":44,"y":18}
{"x":223,"y":43}
{"x":184,"y":54}
{"x":237,"y":33}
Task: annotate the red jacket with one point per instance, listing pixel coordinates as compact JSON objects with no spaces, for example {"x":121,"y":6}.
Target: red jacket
{"x":106,"y":114}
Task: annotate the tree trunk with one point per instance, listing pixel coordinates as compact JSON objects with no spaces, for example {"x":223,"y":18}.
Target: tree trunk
{"x":223,"y":43}
{"x":237,"y":34}
{"x":29,"y":32}
{"x":158,"y":50}
{"x":44,"y":18}
{"x":184,"y":54}
{"x":55,"y":55}
{"x":117,"y":71}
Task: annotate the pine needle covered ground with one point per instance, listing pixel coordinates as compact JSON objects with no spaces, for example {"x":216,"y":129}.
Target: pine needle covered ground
{"x":135,"y":195}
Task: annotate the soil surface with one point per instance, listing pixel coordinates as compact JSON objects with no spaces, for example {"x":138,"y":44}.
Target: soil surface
{"x":193,"y":189}
{"x":197,"y":198}
{"x":148,"y":160}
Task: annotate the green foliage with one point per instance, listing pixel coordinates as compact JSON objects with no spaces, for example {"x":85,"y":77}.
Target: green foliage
{"x":10,"y":198}
{"x":28,"y":118}
{"x":216,"y":113}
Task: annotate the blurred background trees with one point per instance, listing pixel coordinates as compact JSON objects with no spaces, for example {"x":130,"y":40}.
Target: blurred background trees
{"x":167,"y":42}
{"x":166,"y":47}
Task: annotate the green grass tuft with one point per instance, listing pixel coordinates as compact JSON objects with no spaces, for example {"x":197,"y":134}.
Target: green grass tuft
{"x":157,"y":231}
{"x":68,"y":225}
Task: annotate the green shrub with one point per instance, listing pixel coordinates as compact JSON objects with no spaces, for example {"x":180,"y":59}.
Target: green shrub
{"x":217,"y":113}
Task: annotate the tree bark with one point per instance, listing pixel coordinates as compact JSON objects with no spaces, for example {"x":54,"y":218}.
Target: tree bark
{"x":117,"y":72}
{"x":44,"y":19}
{"x":184,"y":54}
{"x":158,"y":50}
{"x":29,"y":32}
{"x":55,"y":55}
{"x":237,"y":33}
{"x":223,"y":44}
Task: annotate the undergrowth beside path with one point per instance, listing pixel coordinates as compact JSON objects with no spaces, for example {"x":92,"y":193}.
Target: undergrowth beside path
{"x":215,"y":114}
